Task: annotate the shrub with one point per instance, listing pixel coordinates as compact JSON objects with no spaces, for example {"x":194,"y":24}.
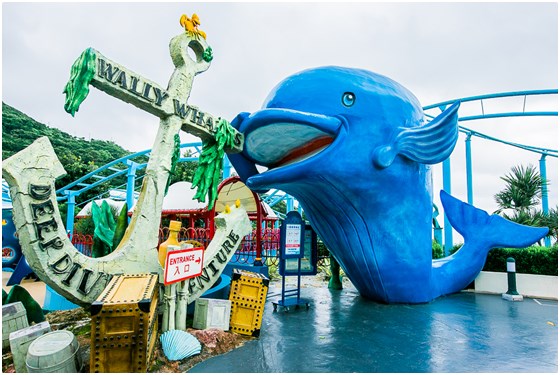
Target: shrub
{"x":322,"y":250}
{"x":538,"y":260}
{"x":85,"y":226}
{"x":437,"y":250}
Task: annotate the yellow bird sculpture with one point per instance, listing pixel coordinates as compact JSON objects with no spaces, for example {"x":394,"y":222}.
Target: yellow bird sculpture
{"x":191,"y":25}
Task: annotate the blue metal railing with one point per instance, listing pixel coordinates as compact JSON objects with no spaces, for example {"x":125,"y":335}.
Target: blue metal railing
{"x":129,"y":166}
{"x":544,"y":152}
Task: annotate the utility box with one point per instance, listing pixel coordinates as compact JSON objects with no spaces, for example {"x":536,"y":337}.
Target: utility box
{"x":14,"y":318}
{"x":124,"y":324}
{"x":248,"y":296}
{"x":212,"y":313}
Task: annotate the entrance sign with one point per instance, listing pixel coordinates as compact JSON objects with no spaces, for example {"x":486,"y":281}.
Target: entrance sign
{"x":183,"y":264}
{"x":32,"y":172}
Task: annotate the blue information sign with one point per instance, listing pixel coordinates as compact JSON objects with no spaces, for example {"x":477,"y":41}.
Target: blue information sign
{"x":292,"y":253}
{"x":308,"y":265}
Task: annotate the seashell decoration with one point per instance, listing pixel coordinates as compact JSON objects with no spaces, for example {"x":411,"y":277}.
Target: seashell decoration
{"x":178,"y":345}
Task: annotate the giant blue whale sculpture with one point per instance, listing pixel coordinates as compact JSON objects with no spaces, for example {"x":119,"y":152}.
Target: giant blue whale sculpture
{"x":353,"y":147}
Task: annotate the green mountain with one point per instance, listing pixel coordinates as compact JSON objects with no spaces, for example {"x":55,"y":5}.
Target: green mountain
{"x":77,"y":155}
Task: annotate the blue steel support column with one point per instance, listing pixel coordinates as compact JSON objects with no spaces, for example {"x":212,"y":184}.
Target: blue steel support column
{"x":70,"y":215}
{"x":130,"y":180}
{"x":227,"y":168}
{"x":469,"y":168}
{"x":544,"y":190}
{"x":289,"y":203}
{"x":447,"y":229}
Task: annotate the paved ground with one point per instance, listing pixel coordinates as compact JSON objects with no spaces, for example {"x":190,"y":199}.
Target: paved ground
{"x":343,"y":332}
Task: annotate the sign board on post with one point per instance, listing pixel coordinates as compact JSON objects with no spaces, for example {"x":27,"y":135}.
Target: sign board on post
{"x":292,"y":245}
{"x":183,"y":264}
{"x":292,"y":236}
{"x":308,"y":261}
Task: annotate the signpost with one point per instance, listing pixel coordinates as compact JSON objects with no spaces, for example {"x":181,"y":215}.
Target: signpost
{"x":307,"y":265}
{"x":292,"y":240}
{"x":183,"y":264}
{"x":180,"y":264}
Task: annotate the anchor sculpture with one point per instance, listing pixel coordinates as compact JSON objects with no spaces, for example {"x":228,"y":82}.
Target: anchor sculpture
{"x":32,"y":172}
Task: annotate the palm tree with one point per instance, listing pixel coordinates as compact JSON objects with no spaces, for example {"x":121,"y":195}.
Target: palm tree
{"x":522,"y":192}
{"x":549,"y":220}
{"x":519,"y":200}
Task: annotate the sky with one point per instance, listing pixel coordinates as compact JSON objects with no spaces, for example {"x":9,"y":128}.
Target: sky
{"x":439,"y":51}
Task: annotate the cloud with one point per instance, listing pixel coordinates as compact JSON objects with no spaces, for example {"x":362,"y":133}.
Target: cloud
{"x":439,"y":51}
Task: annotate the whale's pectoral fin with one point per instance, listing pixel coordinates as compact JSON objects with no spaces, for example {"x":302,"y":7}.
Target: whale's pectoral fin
{"x":244,"y":167}
{"x":476,"y":225}
{"x":430,"y":143}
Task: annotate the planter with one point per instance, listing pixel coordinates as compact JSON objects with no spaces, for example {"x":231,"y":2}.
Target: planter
{"x":537,"y":286}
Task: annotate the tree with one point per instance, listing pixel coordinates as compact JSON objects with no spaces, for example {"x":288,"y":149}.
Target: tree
{"x":520,"y":199}
{"x":522,"y":192}
{"x":184,"y":170}
{"x":77,"y":155}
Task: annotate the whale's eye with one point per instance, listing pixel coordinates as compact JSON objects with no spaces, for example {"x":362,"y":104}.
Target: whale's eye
{"x":348,"y":99}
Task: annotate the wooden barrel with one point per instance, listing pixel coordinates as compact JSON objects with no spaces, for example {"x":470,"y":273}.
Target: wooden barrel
{"x":54,"y":352}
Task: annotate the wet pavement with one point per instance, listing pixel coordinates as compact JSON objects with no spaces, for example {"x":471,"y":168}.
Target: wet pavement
{"x":343,"y":332}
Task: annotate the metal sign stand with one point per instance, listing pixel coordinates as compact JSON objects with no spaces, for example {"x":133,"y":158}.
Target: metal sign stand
{"x":292,"y":238}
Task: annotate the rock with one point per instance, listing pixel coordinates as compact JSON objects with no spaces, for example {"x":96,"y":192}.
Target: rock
{"x":217,"y":341}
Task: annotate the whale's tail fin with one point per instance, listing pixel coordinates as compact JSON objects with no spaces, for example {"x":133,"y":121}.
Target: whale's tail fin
{"x":475,"y":225}
{"x":481,"y":233}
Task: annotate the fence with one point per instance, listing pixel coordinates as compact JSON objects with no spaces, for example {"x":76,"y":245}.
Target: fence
{"x":245,"y":254}
{"x":83,"y":243}
{"x":201,"y":235}
{"x":270,"y":243}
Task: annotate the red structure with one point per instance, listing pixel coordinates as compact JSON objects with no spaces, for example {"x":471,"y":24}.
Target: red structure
{"x":198,"y":223}
{"x":232,"y":189}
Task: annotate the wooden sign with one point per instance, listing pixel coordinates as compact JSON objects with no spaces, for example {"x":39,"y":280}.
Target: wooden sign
{"x":183,"y":264}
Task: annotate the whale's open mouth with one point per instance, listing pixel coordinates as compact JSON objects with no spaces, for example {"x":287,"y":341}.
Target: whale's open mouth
{"x":277,"y":138}
{"x":305,"y":151}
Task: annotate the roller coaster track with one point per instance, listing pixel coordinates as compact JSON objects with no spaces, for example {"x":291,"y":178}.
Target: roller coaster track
{"x":127,"y":166}
{"x":482,"y":114}
{"x":131,"y":164}
{"x":492,"y":115}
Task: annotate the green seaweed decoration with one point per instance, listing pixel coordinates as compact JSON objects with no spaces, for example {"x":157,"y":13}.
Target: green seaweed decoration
{"x":108,"y":233}
{"x":32,"y":308}
{"x":174,"y":160}
{"x":207,"y":55}
{"x":122,"y":224}
{"x":81,"y":74}
{"x":208,"y":172}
